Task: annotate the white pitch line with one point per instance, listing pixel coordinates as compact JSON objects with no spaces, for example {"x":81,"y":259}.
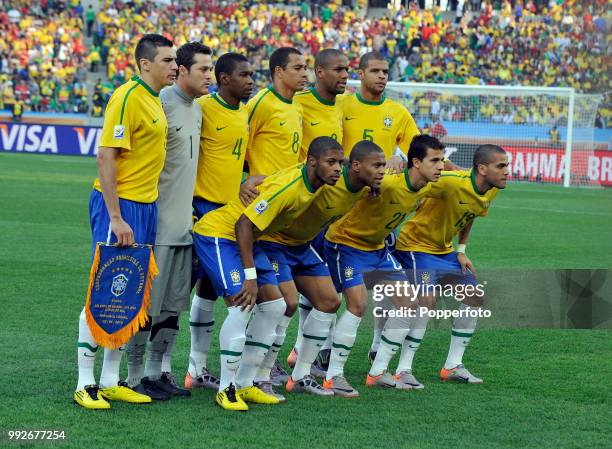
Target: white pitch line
{"x":556,"y":211}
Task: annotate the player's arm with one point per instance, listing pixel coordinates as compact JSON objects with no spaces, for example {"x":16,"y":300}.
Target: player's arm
{"x":462,"y":258}
{"x":451,"y":166}
{"x":107,"y":171}
{"x":409,"y":129}
{"x":245,"y":237}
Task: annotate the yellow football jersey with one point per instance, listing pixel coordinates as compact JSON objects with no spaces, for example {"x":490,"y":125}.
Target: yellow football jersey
{"x":283,"y":197}
{"x":455,"y":202}
{"x":223,"y":143}
{"x":275,"y":133}
{"x":372,"y":219}
{"x":319,"y":118}
{"x":134,"y":121}
{"x":386,"y":122}
{"x":328,"y":206}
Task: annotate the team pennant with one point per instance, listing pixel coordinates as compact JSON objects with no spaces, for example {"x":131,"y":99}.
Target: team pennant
{"x":119,"y":292}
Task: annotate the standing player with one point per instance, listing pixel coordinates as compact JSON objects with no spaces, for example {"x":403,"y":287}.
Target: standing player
{"x":425,"y":248}
{"x":355,"y":245}
{"x":224,"y":243}
{"x":122,"y":205}
{"x":321,"y":116}
{"x":173,"y":245}
{"x":223,"y":142}
{"x":275,"y":120}
{"x":370,"y":115}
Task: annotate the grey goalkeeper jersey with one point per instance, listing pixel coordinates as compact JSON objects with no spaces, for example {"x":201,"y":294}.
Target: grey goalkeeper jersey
{"x":177,"y":179}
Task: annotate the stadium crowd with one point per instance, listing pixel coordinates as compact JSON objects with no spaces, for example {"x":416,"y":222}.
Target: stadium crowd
{"x":45,"y":62}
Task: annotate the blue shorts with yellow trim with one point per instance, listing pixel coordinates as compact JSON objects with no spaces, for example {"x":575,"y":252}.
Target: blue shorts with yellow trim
{"x":142,"y":218}
{"x":348,"y":265}
{"x":201,"y":207}
{"x":434,"y":269}
{"x":291,"y":261}
{"x":220,"y":260}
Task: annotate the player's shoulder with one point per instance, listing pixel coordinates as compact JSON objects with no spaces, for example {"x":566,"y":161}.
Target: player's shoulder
{"x":285,"y":178}
{"x":204,"y":100}
{"x":304,"y":96}
{"x":395,"y":106}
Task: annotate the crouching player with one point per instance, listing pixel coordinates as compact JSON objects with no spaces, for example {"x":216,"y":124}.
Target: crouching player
{"x":424,"y":247}
{"x":241,"y":273}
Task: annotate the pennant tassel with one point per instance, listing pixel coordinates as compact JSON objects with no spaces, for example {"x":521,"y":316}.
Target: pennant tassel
{"x":122,"y":336}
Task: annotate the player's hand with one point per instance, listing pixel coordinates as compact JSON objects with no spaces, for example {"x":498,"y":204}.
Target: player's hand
{"x":248,"y":190}
{"x":247,"y":296}
{"x":396,"y":164}
{"x":466,"y":264}
{"x":123,"y":231}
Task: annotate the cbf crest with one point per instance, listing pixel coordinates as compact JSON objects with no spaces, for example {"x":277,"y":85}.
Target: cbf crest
{"x":425,"y":277}
{"x":274,"y":265}
{"x":388,"y":121}
{"x":119,"y":284}
{"x":348,"y":273}
{"x":235,"y":275}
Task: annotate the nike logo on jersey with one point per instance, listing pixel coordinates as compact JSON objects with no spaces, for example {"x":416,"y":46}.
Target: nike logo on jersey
{"x":283,"y":123}
{"x":222,"y":127}
{"x":314,"y":123}
{"x":328,"y":207}
{"x":155,"y":120}
{"x":179,"y":128}
{"x":462,"y":202}
{"x":349,"y":118}
{"x":87,"y":355}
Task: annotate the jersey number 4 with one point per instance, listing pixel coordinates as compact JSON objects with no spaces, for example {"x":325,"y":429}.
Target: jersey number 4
{"x":237,"y":151}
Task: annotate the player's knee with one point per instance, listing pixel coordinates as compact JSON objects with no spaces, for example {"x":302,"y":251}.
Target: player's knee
{"x":427,"y":301}
{"x":474,"y":300}
{"x":166,"y":324}
{"x":292,"y":305}
{"x":329,"y":304}
{"x":357,"y":308}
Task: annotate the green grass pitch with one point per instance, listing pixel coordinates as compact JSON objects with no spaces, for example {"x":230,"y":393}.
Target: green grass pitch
{"x":543,"y":388}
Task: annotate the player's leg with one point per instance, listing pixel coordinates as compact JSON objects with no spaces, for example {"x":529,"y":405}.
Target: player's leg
{"x":304,"y":308}
{"x":417,"y":266}
{"x":325,"y":303}
{"x":403,"y":303}
{"x":165,"y":325}
{"x":463,"y":329}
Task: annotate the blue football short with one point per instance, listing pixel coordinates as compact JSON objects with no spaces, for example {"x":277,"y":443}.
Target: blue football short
{"x":220,"y":260}
{"x":434,"y":269}
{"x":348,"y":265}
{"x":142,"y":218}
{"x":291,"y":261}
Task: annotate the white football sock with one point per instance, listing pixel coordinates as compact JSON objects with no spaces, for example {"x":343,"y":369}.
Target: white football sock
{"x":463,"y":329}
{"x":231,"y":341}
{"x":330,"y":336}
{"x":86,"y":354}
{"x":391,"y":340}
{"x":410,"y":345}
{"x":304,"y":308}
{"x":201,"y":326}
{"x":110,"y":367}
{"x":135,"y":351}
{"x":379,"y":325}
{"x":316,"y":330}
{"x":263,"y":372}
{"x":344,"y":338}
{"x":260,"y":336}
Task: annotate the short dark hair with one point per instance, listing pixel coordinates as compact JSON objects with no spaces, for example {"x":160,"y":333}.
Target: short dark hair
{"x":420,"y":144}
{"x":322,"y":58}
{"x":484,"y":154}
{"x":186,"y":52}
{"x":321,"y":145}
{"x":280,"y":58}
{"x":370,"y":56}
{"x":363,"y":149}
{"x":147,"y":47}
{"x":227,"y":64}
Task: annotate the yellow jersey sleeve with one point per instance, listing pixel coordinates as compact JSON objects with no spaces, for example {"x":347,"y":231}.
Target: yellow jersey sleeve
{"x":136,"y":123}
{"x":406,"y":130}
{"x":319,"y":118}
{"x":275,"y":132}
{"x":369,"y":222}
{"x":328,"y":206}
{"x":287,"y":195}
{"x":223,"y":141}
{"x":454,"y":201}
